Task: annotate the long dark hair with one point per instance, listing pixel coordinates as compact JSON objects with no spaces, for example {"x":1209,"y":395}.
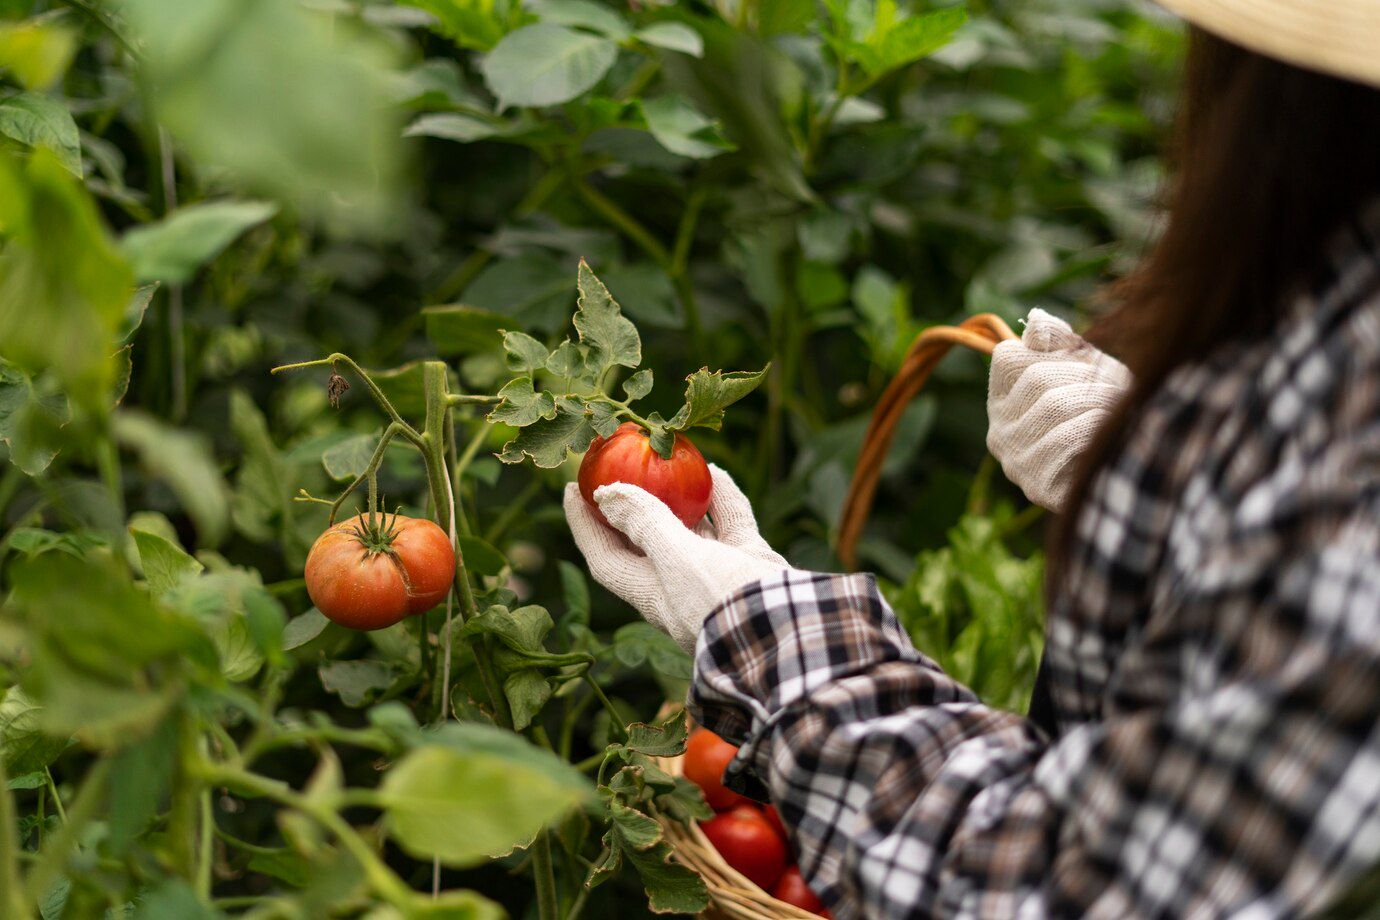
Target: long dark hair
{"x":1269,"y":160}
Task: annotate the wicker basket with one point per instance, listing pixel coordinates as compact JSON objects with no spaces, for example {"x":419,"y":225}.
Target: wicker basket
{"x":731,"y":895}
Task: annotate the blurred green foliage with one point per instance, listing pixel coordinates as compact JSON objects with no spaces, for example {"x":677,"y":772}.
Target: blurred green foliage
{"x":194,"y":191}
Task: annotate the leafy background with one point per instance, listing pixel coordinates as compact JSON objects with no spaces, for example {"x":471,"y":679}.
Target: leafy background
{"x":195,"y":191}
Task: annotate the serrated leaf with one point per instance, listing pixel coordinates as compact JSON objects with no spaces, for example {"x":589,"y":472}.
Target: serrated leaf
{"x":546,"y":64}
{"x":681,"y":129}
{"x":663,"y":739}
{"x":172,"y":249}
{"x":672,"y":888}
{"x":567,"y":361}
{"x":350,"y":457}
{"x":24,"y":746}
{"x":165,"y":563}
{"x":708,"y":394}
{"x":36,"y":120}
{"x":636,"y":831}
{"x":522,"y":405}
{"x":527,"y":692}
{"x":673,"y":36}
{"x":549,"y":441}
{"x":603,"y":417}
{"x":522,"y":353}
{"x":30,"y":420}
{"x":638,"y":385}
{"x":611,"y":337}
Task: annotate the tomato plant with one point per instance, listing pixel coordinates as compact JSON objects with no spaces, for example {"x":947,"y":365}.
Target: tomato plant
{"x":399,"y":195}
{"x":682,"y":481}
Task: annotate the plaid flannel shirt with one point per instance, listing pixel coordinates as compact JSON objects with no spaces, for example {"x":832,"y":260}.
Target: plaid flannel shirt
{"x":1213,"y":657}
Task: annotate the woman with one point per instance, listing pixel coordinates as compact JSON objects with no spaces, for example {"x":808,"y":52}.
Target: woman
{"x":1213,"y":645}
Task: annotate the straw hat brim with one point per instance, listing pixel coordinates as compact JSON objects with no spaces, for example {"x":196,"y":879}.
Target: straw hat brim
{"x":1338,"y":37}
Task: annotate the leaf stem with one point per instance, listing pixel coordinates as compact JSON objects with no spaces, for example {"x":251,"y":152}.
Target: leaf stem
{"x":614,"y":717}
{"x":369,"y":473}
{"x":11,"y":900}
{"x":335,"y":358}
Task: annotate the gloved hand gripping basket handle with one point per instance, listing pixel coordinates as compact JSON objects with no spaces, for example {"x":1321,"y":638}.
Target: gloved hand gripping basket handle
{"x":980,"y":333}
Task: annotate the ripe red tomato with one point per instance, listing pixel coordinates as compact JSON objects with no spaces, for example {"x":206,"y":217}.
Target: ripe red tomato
{"x":792,"y":889}
{"x":748,"y":843}
{"x":706,"y":756}
{"x":369,"y":577}
{"x":683,"y":482}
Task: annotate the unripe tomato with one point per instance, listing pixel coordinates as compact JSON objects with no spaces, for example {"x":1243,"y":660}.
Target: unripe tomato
{"x":706,"y":756}
{"x":748,"y":843}
{"x":367,"y":576}
{"x":792,"y":889}
{"x":683,"y":482}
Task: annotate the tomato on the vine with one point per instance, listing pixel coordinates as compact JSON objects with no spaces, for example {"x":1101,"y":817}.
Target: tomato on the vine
{"x":792,"y":889}
{"x":370,"y":575}
{"x":748,"y":843}
{"x":682,"y":482}
{"x":706,"y":756}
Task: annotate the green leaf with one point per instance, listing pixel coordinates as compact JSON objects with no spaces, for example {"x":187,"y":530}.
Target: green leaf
{"x":603,"y":416}
{"x":673,"y":36}
{"x":165,"y":564}
{"x":708,"y":394}
{"x":303,"y":628}
{"x":257,"y":89}
{"x":568,"y":360}
{"x":183,"y":460}
{"x":140,"y":779}
{"x":576,"y":592}
{"x":477,"y":24}
{"x":611,"y":337}
{"x":265,"y":482}
{"x":466,"y":807}
{"x":174,"y":900}
{"x":283,"y":864}
{"x":681,"y":129}
{"x":481,"y":558}
{"x":638,"y":385}
{"x":522,"y":405}
{"x":582,"y":14}
{"x":172,"y":249}
{"x":28,"y":780}
{"x":642,"y":643}
{"x":664,"y":739}
{"x":37,"y":51}
{"x":546,"y":64}
{"x":895,"y":44}
{"x":522,"y":353}
{"x":36,"y":120}
{"x":90,"y":667}
{"x":31,"y":418}
{"x":63,"y":286}
{"x":464,"y":127}
{"x":357,"y":682}
{"x":461,"y":330}
{"x":25,"y":746}
{"x":134,"y":313}
{"x":635,"y":830}
{"x":549,"y":441}
{"x":527,"y":692}
{"x":349,"y":458}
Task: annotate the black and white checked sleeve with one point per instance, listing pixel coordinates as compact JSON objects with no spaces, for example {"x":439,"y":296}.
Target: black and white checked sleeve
{"x":1255,"y":793}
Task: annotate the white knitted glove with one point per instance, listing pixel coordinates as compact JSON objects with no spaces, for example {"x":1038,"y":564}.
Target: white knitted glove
{"x":680,"y":575}
{"x":1046,"y":398}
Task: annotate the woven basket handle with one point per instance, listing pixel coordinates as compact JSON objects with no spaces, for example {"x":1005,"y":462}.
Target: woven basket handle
{"x":980,"y":333}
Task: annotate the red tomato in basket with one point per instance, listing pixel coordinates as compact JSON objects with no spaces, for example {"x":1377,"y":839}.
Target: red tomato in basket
{"x":774,"y":819}
{"x":748,"y":843}
{"x":792,"y":889}
{"x":706,"y":756}
{"x":683,"y":482}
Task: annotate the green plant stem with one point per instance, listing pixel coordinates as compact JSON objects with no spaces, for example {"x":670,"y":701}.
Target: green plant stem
{"x":11,"y":899}
{"x":57,"y":799}
{"x":381,"y":879}
{"x":628,"y":225}
{"x":370,"y":471}
{"x":108,"y":463}
{"x":184,"y":805}
{"x":472,"y":399}
{"x":368,"y":738}
{"x":335,"y":358}
{"x":577,"y":905}
{"x":512,"y":510}
{"x":207,"y":838}
{"x":544,"y":876}
{"x":53,"y":856}
{"x":638,"y":81}
{"x":614,"y":717}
